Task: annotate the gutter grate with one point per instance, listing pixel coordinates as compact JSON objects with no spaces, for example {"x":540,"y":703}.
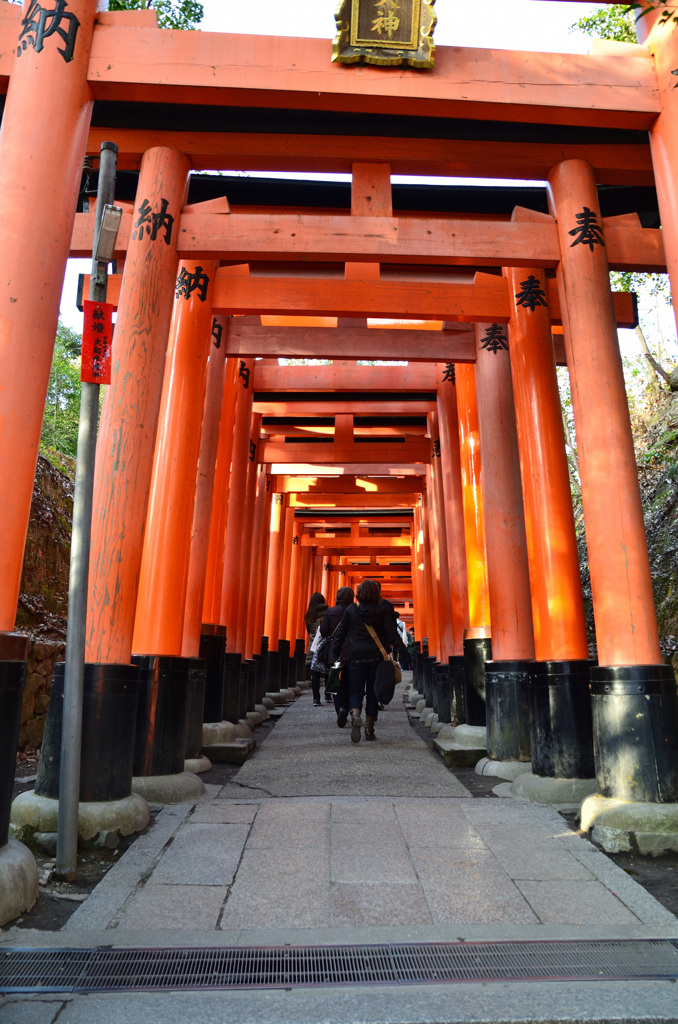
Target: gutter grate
{"x":109,"y":970}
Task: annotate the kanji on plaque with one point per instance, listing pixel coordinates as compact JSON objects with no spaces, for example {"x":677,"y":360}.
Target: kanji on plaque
{"x":97,"y":335}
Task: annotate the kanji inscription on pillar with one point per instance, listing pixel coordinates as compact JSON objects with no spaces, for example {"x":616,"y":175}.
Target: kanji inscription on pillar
{"x":449,"y":374}
{"x":495,"y":340}
{"x":217,"y":333}
{"x":39,"y":23}
{"x":188,"y":283}
{"x":97,"y":336}
{"x":531,"y":295}
{"x":388,"y":32}
{"x":244,"y":373}
{"x":154,"y":223}
{"x":588,"y":231}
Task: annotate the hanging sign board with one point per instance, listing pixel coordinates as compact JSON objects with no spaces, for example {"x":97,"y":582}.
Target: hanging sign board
{"x":388,"y":32}
{"x":97,"y":335}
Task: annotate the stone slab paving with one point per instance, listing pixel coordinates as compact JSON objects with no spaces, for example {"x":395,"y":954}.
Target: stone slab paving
{"x":318,"y":840}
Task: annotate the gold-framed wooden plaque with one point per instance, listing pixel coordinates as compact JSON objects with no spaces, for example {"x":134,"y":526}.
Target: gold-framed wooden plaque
{"x":388,"y":32}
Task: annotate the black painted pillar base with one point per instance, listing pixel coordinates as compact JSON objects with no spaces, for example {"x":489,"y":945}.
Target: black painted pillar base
{"x":284,"y":658}
{"x":443,"y":687}
{"x":635,"y":732}
{"x":507,"y":710}
{"x":426,"y":675}
{"x":457,"y":671}
{"x":561,"y":728}
{"x":162,"y":708}
{"x":272,"y":672}
{"x":477,"y":650}
{"x":212,"y":650}
{"x":13,"y":650}
{"x":232,"y":686}
{"x":300,"y":660}
{"x":196,"y":703}
{"x":109,"y":717}
{"x":417,"y":682}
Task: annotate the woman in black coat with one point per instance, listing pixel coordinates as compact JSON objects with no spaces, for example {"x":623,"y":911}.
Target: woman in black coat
{"x":363,"y":654}
{"x":345,"y":597}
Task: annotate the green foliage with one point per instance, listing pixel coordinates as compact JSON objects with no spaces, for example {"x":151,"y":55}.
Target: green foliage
{"x":184,"y":14}
{"x":62,"y":407}
{"x":614,"y":21}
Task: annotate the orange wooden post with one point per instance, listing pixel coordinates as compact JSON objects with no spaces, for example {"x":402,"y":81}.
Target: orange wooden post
{"x":448,"y":425}
{"x":441,"y":558}
{"x":263,"y":562}
{"x":431,"y":607}
{"x":326,"y":586}
{"x":663,"y":134}
{"x":418,"y":582}
{"x":287,"y":546}
{"x":235,"y":524}
{"x":245,"y":596}
{"x":211,"y":611}
{"x":253,"y":639}
{"x":163,"y":577}
{"x":560,"y":704}
{"x":557,"y":604}
{"x":623,"y":603}
{"x":295,"y":586}
{"x":506,"y":676}
{"x":130,"y":411}
{"x":42,"y":146}
{"x":204,"y":495}
{"x":472,"y":494}
{"x":273,"y":583}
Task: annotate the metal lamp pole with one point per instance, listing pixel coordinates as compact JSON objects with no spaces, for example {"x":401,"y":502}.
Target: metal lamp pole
{"x":71,"y":735}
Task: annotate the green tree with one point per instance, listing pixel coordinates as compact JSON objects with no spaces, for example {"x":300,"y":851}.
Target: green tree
{"x":184,"y":14}
{"x":614,"y":21}
{"x":62,"y":407}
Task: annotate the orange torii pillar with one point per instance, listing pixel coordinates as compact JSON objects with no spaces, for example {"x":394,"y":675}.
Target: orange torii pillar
{"x":448,"y":425}
{"x":233,"y":540}
{"x":634,"y":700}
{"x":157,"y":641}
{"x":560,"y":703}
{"x":431,"y":606}
{"x":42,"y":146}
{"x":283,"y":640}
{"x":506,"y":676}
{"x":326,"y":587}
{"x":248,"y":697}
{"x":130,"y":411}
{"x":297,"y":592}
{"x":470,"y":692}
{"x":441,"y":563}
{"x":418,"y":580}
{"x":272,"y":605}
{"x":262,"y":516}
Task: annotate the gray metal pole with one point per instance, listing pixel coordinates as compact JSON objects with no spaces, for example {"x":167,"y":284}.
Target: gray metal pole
{"x":71,"y":735}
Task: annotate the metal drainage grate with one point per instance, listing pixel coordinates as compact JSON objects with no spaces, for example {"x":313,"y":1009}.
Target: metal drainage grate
{"x":109,"y":970}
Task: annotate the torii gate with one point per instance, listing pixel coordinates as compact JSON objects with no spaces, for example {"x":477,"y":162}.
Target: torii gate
{"x":621,"y":92}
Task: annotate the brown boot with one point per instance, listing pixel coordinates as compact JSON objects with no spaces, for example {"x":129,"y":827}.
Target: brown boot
{"x":369,"y":727}
{"x":356,"y":725}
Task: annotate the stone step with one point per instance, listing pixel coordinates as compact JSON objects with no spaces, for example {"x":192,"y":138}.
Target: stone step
{"x":236,"y":752}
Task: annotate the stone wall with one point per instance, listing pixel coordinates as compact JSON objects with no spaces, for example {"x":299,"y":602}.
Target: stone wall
{"x":41,"y":660}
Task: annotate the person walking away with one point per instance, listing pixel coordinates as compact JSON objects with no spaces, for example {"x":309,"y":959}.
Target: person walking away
{"x":363,"y":654}
{"x":345,"y":597}
{"x":317,"y":607}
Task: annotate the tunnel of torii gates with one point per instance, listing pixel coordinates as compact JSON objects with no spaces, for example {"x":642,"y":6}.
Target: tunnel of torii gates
{"x":228,"y":488}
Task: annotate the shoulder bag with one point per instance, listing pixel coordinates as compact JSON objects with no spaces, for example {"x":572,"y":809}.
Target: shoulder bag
{"x":388,"y":673}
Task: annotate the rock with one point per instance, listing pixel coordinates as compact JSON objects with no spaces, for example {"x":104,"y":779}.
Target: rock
{"x":27,"y":706}
{"x":34,"y":682}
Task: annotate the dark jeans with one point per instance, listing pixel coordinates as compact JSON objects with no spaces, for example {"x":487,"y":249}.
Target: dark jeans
{"x":315,"y":684}
{"x":361,"y":676}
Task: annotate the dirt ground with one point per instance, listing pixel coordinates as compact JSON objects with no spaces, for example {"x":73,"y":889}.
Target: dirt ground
{"x":58,"y":900}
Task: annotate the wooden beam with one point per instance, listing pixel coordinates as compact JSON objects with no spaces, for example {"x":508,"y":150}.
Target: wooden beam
{"x":369,"y":405}
{"x":357,"y":545}
{"x":439,"y":241}
{"x":151,"y":65}
{"x":418,"y":450}
{"x":486,"y":300}
{"x":349,"y":468}
{"x":346,"y":376}
{"x":234,"y":151}
{"x":323,"y":501}
{"x":348,"y":485}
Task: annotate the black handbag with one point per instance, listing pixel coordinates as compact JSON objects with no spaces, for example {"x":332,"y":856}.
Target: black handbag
{"x":385,"y":681}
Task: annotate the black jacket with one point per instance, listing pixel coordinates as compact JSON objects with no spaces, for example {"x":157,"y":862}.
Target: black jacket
{"x":361,"y":646}
{"x":330,"y":622}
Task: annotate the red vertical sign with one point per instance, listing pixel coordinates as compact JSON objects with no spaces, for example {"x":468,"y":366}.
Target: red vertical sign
{"x":97,"y":335}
